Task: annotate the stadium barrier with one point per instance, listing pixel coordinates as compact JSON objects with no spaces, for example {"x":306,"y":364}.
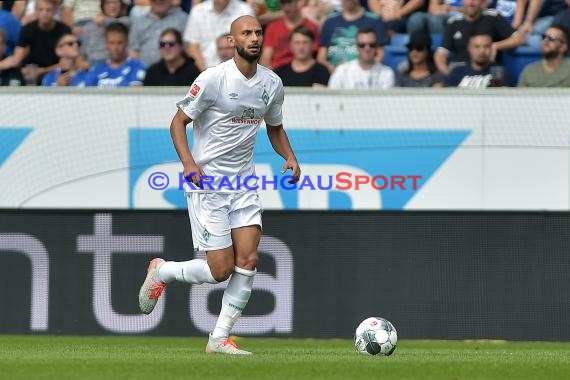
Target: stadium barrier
{"x":504,"y":149}
{"x":435,"y":275}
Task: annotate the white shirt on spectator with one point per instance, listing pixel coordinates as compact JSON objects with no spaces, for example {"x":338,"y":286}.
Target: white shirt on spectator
{"x":350,"y":75}
{"x":84,"y":10}
{"x":205,"y":25}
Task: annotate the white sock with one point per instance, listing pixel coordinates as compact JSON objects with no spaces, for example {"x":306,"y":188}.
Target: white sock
{"x":195,"y":271}
{"x":234,"y":300}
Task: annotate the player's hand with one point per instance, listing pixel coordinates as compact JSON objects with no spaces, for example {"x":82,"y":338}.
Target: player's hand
{"x":292,"y":164}
{"x":192,"y":173}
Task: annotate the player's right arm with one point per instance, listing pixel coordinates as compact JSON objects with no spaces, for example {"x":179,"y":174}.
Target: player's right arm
{"x":200,"y":97}
{"x":178,"y":134}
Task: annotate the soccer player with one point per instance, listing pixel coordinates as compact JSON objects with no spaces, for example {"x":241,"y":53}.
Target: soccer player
{"x":227,"y":104}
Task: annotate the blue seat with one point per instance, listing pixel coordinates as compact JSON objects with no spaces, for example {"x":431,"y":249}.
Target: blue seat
{"x":396,"y":52}
{"x":435,"y":40}
{"x":515,"y":60}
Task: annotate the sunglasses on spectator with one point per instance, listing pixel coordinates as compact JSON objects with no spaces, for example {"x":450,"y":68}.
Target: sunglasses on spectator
{"x":417,"y":47}
{"x":70,"y":43}
{"x":362,"y":45}
{"x":164,"y":44}
{"x":552,"y":38}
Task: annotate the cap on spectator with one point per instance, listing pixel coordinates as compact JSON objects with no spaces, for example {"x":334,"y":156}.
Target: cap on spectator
{"x":419,"y":41}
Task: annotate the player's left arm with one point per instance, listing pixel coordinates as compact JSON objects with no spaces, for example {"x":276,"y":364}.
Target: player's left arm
{"x":281,"y":145}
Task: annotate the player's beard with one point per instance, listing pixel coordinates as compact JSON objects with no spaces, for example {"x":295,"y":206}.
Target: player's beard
{"x":250,"y":57}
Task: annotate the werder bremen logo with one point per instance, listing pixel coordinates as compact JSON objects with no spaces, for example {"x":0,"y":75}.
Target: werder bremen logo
{"x":248,"y":113}
{"x":206,"y":235}
{"x":185,"y":102}
{"x":265,"y":97}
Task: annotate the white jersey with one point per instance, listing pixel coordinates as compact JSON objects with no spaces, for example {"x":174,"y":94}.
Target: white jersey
{"x":227,"y":110}
{"x":350,"y":75}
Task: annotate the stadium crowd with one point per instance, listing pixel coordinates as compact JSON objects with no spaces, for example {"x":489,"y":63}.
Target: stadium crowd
{"x":339,"y":44}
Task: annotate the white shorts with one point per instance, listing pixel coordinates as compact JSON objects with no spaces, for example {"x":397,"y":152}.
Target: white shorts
{"x":214,"y":215}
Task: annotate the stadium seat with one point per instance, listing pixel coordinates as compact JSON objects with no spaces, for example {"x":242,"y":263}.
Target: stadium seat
{"x":515,"y":60}
{"x":396,"y":52}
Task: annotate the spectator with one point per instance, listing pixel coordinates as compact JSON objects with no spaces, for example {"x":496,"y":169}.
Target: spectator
{"x":36,"y":48}
{"x":266,"y":10}
{"x":563,"y":18}
{"x":554,"y":69}
{"x":120,"y":70}
{"x":69,"y":71}
{"x":433,"y":20}
{"x":276,"y":39}
{"x":339,"y":33}
{"x":93,"y":33}
{"x":398,"y":15}
{"x":138,"y":8}
{"x":421,"y":70}
{"x":475,"y":17}
{"x":146,"y":30}
{"x":207,"y":21}
{"x":9,"y":77}
{"x":537,"y":15}
{"x":11,"y":26}
{"x":508,"y":9}
{"x":25,"y":11}
{"x":76,"y":14}
{"x":175,"y":68}
{"x":478,"y":73}
{"x":363,"y":72}
{"x":317,"y":10}
{"x":303,"y":70}
{"x":224,"y":47}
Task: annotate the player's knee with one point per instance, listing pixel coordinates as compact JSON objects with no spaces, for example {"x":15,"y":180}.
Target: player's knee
{"x":248,"y":262}
{"x":222,"y":272}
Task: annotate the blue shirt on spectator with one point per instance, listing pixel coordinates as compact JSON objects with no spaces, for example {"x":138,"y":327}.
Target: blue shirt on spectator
{"x":78,"y":80}
{"x":130,"y":73}
{"x":11,"y":26}
{"x":506,"y":8}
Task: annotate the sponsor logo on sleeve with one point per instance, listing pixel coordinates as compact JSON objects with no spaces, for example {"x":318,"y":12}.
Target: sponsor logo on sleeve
{"x":195,"y":89}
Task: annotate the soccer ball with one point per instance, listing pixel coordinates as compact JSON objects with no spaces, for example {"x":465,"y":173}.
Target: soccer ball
{"x":374,"y":336}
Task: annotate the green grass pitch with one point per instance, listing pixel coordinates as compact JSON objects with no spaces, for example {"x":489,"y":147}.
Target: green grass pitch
{"x":141,"y":358}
